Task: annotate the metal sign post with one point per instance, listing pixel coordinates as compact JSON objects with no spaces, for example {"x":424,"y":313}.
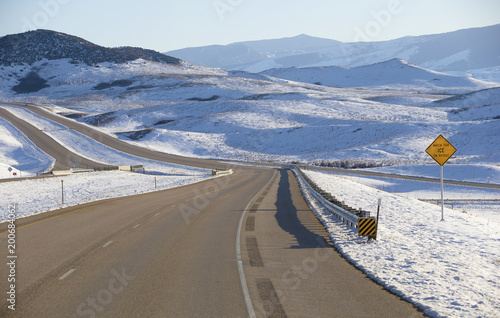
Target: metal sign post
{"x":441,"y":150}
{"x":442,"y":195}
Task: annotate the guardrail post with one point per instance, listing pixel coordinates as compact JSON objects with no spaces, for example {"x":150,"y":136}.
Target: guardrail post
{"x":379,"y":203}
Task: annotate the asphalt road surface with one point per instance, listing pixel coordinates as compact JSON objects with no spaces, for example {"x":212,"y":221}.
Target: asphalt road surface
{"x":243,"y":245}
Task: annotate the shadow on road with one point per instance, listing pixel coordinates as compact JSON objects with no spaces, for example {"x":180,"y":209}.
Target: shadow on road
{"x":288,"y":217}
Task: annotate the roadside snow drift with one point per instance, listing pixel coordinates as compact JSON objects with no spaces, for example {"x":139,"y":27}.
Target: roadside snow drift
{"x":449,"y":269}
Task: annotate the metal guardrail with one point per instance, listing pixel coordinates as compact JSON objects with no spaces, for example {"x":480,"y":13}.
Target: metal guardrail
{"x":217,"y":172}
{"x":342,"y":214}
{"x":70,"y":171}
{"x":365,"y":225}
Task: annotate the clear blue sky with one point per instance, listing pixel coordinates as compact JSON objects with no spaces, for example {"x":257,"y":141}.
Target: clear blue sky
{"x":174,"y":24}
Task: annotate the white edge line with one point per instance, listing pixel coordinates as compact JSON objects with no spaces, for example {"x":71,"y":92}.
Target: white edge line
{"x":67,"y":274}
{"x":244,"y":286}
{"x":107,"y":243}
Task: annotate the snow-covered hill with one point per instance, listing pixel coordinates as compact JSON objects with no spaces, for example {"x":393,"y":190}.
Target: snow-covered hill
{"x":210,"y":113}
{"x":393,"y":74}
{"x":474,"y":50}
{"x":475,"y":106}
{"x":33,"y":46}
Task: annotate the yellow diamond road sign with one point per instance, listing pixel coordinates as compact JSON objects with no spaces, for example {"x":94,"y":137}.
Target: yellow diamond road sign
{"x":441,"y":150}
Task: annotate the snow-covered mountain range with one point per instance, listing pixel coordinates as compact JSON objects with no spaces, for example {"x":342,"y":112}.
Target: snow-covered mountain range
{"x":238,"y":55}
{"x":474,"y":50}
{"x":385,"y":113}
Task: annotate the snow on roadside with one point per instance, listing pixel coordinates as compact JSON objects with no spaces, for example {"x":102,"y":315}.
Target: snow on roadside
{"x":480,"y":202}
{"x":449,"y":268}
{"x":34,"y":196}
{"x":20,"y":154}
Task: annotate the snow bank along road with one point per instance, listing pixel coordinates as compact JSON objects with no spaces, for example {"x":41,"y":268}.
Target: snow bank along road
{"x":241,"y":245}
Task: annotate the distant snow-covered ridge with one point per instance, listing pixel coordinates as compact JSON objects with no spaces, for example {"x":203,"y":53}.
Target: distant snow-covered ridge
{"x":393,"y":74}
{"x":458,"y":51}
{"x":152,"y":81}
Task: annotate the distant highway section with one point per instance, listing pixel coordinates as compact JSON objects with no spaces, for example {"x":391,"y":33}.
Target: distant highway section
{"x":65,"y":159}
{"x":118,"y":144}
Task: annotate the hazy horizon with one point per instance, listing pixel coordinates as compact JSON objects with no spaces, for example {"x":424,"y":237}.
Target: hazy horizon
{"x":171,"y":25}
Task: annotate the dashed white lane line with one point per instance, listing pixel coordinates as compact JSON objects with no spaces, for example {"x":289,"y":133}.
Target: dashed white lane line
{"x":107,"y":243}
{"x":157,"y":214}
{"x":67,"y":274}
{"x":135,"y":226}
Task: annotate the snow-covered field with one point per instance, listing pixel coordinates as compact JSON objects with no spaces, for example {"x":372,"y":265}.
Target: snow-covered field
{"x":385,"y":113}
{"x":475,"y":201}
{"x":458,"y":172}
{"x":449,"y":268}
